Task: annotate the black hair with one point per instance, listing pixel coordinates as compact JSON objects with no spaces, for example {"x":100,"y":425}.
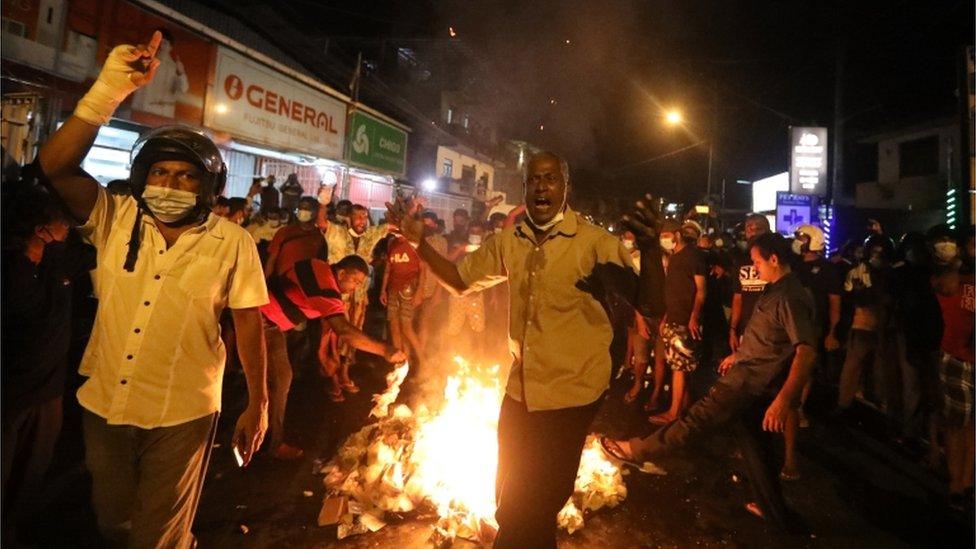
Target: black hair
{"x":462,"y":211}
{"x":770,"y":244}
{"x":236,"y":204}
{"x":26,"y":207}
{"x":352,"y":263}
{"x":429,"y":215}
{"x":309,"y":200}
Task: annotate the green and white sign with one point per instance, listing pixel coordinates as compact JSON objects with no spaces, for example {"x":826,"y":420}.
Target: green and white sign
{"x":376,"y":144}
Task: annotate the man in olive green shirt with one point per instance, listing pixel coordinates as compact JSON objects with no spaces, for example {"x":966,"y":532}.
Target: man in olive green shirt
{"x":560,"y":268}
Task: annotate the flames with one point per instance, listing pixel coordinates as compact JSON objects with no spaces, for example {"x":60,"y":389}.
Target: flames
{"x":444,"y":460}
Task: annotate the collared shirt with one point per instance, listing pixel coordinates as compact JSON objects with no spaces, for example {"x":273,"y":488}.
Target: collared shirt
{"x":155,"y":358}
{"x":559,"y":329}
{"x":341,"y":243}
{"x":782,"y":319}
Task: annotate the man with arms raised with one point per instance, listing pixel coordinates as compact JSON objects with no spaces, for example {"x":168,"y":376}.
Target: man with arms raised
{"x":560,"y":268}
{"x":166,"y":269}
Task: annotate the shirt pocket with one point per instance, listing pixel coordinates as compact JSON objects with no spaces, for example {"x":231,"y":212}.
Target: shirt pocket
{"x":203,"y":277}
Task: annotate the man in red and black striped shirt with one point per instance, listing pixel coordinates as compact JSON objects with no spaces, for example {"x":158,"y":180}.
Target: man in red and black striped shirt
{"x":310,"y":289}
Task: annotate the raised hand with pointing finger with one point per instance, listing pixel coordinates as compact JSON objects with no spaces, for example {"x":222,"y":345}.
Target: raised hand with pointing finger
{"x":126,"y":69}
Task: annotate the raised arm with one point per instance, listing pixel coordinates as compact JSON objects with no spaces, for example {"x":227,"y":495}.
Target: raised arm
{"x":126,"y":69}
{"x":406,"y":214}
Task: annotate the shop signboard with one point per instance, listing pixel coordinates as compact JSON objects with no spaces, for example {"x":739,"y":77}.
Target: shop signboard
{"x":250,"y":100}
{"x":376,"y":144}
{"x":793,"y":210}
{"x":808,"y":161}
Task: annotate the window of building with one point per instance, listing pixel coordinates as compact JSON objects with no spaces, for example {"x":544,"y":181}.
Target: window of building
{"x":447,"y":168}
{"x":466,"y":122}
{"x":450,"y":114}
{"x":919,"y":157}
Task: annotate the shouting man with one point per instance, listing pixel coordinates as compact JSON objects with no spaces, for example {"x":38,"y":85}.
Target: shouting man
{"x":560,"y":268}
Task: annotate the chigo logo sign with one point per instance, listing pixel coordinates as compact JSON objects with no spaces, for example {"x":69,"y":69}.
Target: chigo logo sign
{"x":376,"y":144}
{"x":254,"y":102}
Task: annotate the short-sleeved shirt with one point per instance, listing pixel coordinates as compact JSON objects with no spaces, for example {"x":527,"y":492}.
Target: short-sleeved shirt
{"x":403,"y":264}
{"x":821,"y":278}
{"x":295,"y":243}
{"x":306,"y":291}
{"x":679,"y":283}
{"x":782,"y":319}
{"x":439,"y":243}
{"x":958,"y":312}
{"x":155,"y":357}
{"x":559,"y":330}
{"x":747,"y":283}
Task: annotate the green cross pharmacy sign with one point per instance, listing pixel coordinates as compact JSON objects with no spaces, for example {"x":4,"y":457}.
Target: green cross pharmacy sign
{"x":373,"y":143}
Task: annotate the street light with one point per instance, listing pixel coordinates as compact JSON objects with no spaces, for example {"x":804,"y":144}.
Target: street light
{"x":674,"y":118}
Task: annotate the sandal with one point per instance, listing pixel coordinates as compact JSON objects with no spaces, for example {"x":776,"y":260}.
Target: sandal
{"x":350,"y":387}
{"x":612,"y":448}
{"x":337,"y":396}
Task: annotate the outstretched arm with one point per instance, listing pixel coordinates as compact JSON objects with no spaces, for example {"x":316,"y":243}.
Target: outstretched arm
{"x":357,"y":339}
{"x":126,"y":69}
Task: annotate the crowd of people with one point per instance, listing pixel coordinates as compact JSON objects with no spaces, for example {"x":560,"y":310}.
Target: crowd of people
{"x":737,"y":327}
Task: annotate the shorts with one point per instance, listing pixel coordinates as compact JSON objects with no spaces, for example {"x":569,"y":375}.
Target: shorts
{"x":957,"y":385}
{"x":399,"y":304}
{"x":680,"y":351}
{"x":469,"y":309}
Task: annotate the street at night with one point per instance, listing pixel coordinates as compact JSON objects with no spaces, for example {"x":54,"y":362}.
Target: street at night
{"x":494,"y":273}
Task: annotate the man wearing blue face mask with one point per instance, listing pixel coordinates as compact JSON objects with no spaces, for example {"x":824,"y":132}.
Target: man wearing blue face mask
{"x":166,"y":270}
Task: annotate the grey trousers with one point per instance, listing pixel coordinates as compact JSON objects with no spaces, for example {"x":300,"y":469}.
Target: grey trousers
{"x":146,"y":483}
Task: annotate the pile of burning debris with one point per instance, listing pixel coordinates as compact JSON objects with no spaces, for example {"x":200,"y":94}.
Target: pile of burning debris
{"x":442,"y":462}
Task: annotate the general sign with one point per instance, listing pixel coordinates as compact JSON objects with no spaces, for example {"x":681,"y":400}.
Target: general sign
{"x":793,"y":210}
{"x":252,"y":101}
{"x":808,"y":161}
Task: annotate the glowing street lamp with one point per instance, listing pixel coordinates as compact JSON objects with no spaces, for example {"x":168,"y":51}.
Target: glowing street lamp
{"x":673,"y":118}
{"x":430,"y":185}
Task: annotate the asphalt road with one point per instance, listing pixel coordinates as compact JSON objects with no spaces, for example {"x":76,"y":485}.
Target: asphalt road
{"x":857,"y":489}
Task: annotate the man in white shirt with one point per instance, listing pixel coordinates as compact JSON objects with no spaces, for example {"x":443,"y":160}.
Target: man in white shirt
{"x":166,"y":269}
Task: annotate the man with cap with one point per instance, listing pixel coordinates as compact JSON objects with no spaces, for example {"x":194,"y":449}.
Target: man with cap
{"x":166,"y":270}
{"x":684,"y":297}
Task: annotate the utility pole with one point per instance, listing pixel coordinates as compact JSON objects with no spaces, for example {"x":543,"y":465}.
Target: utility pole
{"x":835,"y":184}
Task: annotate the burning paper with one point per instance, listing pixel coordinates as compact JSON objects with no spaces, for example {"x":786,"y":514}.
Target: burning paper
{"x":444,"y":460}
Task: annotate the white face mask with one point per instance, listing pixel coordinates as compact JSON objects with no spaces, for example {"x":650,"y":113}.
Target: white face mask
{"x":719,"y":243}
{"x":168,"y":205}
{"x":945,"y":251}
{"x":474,"y":239}
{"x":668,"y":243}
{"x":305,"y":215}
{"x":798,"y":247}
{"x":628,"y":244}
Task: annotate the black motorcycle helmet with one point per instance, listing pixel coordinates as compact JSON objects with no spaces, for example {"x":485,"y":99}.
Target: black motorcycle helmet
{"x":177,"y":142}
{"x":174,"y":142}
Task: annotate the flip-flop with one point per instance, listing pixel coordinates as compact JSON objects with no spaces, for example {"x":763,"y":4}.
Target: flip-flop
{"x":659,"y":420}
{"x":350,"y":387}
{"x":337,"y":396}
{"x":612,"y":449}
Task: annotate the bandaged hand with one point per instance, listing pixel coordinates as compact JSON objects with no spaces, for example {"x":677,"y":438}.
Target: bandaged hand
{"x":126,"y":69}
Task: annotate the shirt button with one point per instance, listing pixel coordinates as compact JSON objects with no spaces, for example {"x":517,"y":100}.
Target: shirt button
{"x":128,"y":357}
{"x":146,"y":303}
{"x":123,"y":382}
{"x":160,"y":252}
{"x":137,"y":330}
{"x":157,"y":277}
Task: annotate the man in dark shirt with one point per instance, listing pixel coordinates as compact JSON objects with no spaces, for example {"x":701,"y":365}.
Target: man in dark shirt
{"x":39,"y":271}
{"x":779,"y":342}
{"x":748,"y":285}
{"x":684,"y":296}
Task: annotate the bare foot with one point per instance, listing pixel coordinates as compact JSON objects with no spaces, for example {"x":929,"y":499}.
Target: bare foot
{"x":631,"y":395}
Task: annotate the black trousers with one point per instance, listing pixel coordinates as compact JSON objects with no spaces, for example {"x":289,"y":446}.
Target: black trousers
{"x":538,"y":458}
{"x":727,"y":405}
{"x":29,"y":439}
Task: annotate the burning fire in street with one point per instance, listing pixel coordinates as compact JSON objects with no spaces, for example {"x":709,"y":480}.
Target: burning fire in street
{"x":443,"y":460}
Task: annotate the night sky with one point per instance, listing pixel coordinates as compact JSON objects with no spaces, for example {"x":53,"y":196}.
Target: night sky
{"x":741,"y":73}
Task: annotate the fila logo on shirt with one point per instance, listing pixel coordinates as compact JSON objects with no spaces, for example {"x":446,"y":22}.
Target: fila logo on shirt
{"x":401,"y":257}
